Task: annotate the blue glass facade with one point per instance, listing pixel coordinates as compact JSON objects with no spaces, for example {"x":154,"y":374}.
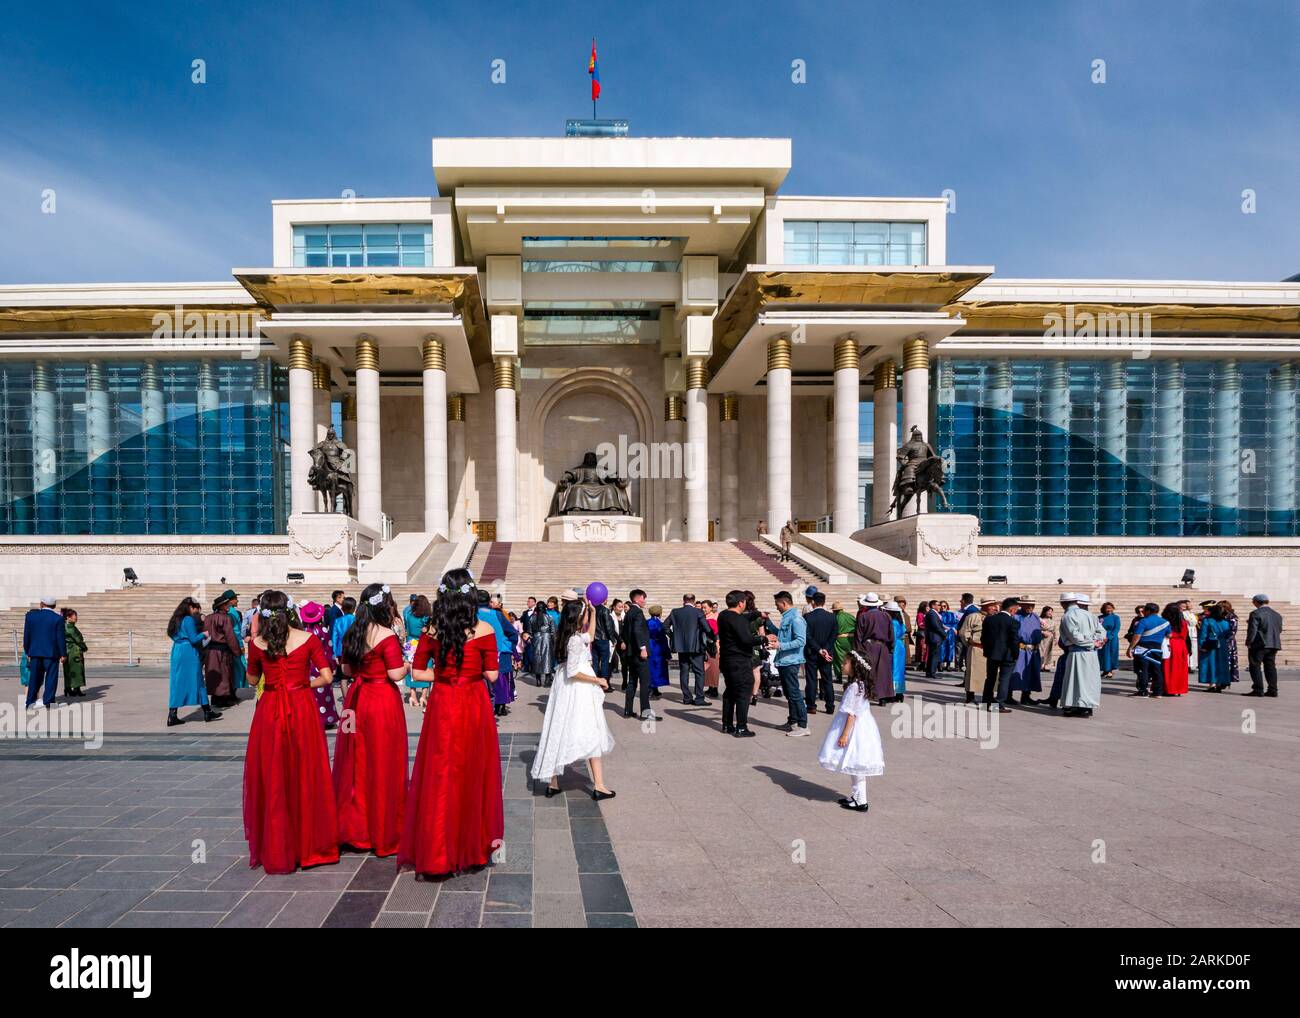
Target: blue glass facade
{"x":354,"y":245}
{"x":1131,"y":448}
{"x":135,"y":447}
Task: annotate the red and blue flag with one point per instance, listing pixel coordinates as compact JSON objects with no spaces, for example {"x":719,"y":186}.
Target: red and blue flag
{"x":594,"y":70}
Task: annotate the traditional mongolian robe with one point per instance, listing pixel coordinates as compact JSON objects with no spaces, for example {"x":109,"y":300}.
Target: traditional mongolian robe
{"x":1108,"y":654}
{"x":241,"y":665}
{"x":845,"y":624}
{"x":1234,"y":671}
{"x":1213,"y":640}
{"x":186,"y":688}
{"x":542,"y":634}
{"x":219,"y":655}
{"x":1175,"y":664}
{"x":1027,"y":676}
{"x":900,"y":656}
{"x":74,"y":668}
{"x":1078,"y":670}
{"x":1192,"y":642}
{"x":948,"y":650}
{"x":659,"y":654}
{"x":1048,"y":645}
{"x":874,"y":640}
{"x":969,"y":634}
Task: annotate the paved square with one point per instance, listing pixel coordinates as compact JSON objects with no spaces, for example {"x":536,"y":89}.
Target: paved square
{"x":1168,"y":812}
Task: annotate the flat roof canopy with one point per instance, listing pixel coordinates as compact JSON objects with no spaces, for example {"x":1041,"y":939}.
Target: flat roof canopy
{"x":749,"y":162}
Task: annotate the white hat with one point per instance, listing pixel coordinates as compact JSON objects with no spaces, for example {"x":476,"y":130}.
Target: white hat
{"x":49,"y":600}
{"x":892,"y":606}
{"x":1082,"y":599}
{"x":1069,"y":598}
{"x":869,"y":600}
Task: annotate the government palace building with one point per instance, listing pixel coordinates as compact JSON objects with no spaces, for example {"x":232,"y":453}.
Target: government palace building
{"x":738,"y":355}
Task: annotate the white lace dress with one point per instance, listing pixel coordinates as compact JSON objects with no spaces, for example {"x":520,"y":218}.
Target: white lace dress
{"x":574,"y":728}
{"x":863,"y":756}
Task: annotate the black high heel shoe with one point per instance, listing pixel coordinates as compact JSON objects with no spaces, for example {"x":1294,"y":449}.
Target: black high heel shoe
{"x":552,"y":791}
{"x":600,"y":796}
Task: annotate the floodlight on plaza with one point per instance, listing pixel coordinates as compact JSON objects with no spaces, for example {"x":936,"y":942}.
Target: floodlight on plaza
{"x":295,"y":578}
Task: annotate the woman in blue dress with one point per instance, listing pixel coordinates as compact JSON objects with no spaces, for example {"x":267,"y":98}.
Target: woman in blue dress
{"x":660,"y":654}
{"x":1230,"y":619}
{"x":416,"y":617}
{"x":900,"y":648}
{"x":187,"y":688}
{"x":948,"y":650}
{"x":1212,"y":637}
{"x":239,"y":675}
{"x":1108,"y":652}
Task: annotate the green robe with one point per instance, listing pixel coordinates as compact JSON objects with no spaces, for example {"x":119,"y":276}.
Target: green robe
{"x":74,"y":668}
{"x":845,"y":624}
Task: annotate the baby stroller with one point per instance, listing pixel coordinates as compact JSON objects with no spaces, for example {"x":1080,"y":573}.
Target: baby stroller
{"x":769,"y":681}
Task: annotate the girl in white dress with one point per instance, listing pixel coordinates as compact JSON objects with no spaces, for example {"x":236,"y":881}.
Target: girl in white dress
{"x":852,"y":746}
{"x":574,"y":727}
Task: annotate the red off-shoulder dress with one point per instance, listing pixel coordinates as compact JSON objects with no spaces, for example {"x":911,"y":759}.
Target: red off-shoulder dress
{"x":289,"y":817}
{"x":370,"y":754}
{"x":454,"y":814}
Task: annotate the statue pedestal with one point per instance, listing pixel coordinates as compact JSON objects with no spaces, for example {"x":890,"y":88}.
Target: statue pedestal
{"x":937,"y":542}
{"x":593,"y":527}
{"x":326,"y":547}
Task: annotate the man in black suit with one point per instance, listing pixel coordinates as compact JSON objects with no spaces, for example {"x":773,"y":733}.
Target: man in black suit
{"x":935,"y":634}
{"x":1000,"y":639}
{"x":689,"y":636}
{"x":1263,"y":641}
{"x":636,"y":637}
{"x":820,"y":630}
{"x":736,"y":642}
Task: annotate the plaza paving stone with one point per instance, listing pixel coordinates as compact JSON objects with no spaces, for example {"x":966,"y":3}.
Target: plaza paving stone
{"x":1200,"y":822}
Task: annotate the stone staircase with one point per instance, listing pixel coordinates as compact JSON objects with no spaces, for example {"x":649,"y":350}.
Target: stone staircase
{"x":121,"y":625}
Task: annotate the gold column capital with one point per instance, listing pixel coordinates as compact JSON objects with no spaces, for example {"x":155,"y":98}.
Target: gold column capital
{"x":674,"y":407}
{"x":729,"y":407}
{"x":503,"y":372}
{"x":846,"y":353}
{"x":916,"y":353}
{"x":885,"y":375}
{"x":321,"y":376}
{"x":434,"y":354}
{"x":150,"y":376}
{"x":456,"y":407}
{"x":96,"y":378}
{"x":697,"y":373}
{"x":300,"y":353}
{"x":42,"y":379}
{"x":778,"y":352}
{"x":367,"y":353}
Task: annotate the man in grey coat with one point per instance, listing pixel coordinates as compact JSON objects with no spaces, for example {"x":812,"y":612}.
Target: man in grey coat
{"x":1263,"y":641}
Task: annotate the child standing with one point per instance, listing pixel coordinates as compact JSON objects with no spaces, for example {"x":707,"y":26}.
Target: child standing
{"x":852,"y":745}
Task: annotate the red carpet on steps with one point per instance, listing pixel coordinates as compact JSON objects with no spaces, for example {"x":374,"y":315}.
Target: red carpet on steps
{"x":768,"y":562}
{"x":496,"y":563}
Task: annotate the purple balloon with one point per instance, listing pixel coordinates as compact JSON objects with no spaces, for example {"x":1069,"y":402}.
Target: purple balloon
{"x":597,"y":592}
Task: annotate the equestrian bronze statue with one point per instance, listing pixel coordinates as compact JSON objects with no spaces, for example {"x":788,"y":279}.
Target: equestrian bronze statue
{"x":331,"y":473}
{"x":920,"y":472}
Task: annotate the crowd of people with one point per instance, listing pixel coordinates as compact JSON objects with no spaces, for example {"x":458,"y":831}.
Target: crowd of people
{"x":345,"y":665}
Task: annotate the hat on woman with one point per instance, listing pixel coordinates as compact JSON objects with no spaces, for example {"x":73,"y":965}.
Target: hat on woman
{"x":311,"y":613}
{"x":869,"y":600}
{"x":892,"y":606}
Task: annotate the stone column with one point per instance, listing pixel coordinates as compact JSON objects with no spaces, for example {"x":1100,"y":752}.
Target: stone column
{"x":847,"y":381}
{"x":45,"y":430}
{"x":456,"y":463}
{"x":1169,"y":448}
{"x":209,"y":401}
{"x":301,"y":425}
{"x":436,"y":519}
{"x":828,"y":445}
{"x":916,"y":402}
{"x":779,"y":424}
{"x":1282,"y":451}
{"x":99,"y":438}
{"x":674,"y":426}
{"x":1114,"y":444}
{"x":1226,"y":449}
{"x":152,"y":414}
{"x":507,"y":449}
{"x":996,"y":467}
{"x":696,"y":460}
{"x":369,"y":493}
{"x":1056,"y":415}
{"x":884,"y":439}
{"x":153,"y":444}
{"x":729,"y":474}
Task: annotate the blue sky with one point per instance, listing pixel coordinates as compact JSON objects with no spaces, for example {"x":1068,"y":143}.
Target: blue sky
{"x":157,"y":178}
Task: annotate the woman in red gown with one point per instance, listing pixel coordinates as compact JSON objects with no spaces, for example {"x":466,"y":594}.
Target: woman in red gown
{"x":289,"y":817}
{"x":370,"y":752}
{"x":1175,"y":664}
{"x":454,"y":816}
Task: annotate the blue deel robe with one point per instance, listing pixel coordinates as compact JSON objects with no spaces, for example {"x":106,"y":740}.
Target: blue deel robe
{"x":900,"y":657}
{"x":948,"y":649}
{"x":187,"y":688}
{"x":1108,"y":653}
{"x":341,"y":625}
{"x":240,"y":671}
{"x":660,"y":654}
{"x":1213,"y":641}
{"x":1028,"y":674}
